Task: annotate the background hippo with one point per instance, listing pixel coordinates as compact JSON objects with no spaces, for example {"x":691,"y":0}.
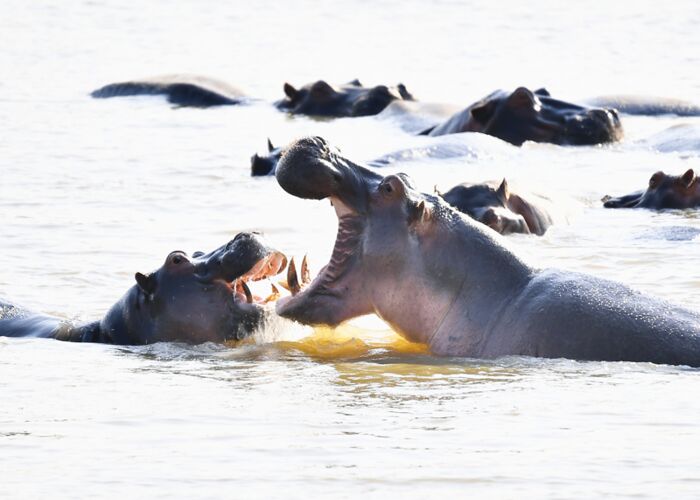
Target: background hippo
{"x":496,"y":206}
{"x":199,"y":299}
{"x":351,"y":99}
{"x":266,"y":164}
{"x":183,"y":90}
{"x":439,"y":278}
{"x":664,"y":191}
{"x":524,"y":115}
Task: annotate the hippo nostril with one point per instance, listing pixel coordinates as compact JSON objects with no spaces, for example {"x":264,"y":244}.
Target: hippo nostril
{"x":600,"y":114}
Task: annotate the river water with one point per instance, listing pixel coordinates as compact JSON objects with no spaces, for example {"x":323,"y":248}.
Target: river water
{"x":92,"y":191}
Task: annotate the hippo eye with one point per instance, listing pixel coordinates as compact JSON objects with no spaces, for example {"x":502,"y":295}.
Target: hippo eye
{"x":387,"y":189}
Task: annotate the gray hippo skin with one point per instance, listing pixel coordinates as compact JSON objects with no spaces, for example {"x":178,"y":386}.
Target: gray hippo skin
{"x":496,"y":206}
{"x":524,"y":115}
{"x":439,"y":278}
{"x":351,"y":99}
{"x":663,"y":191}
{"x":203,"y":298}
{"x":182,"y":90}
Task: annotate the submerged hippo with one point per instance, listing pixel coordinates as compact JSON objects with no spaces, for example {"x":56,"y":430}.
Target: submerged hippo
{"x":351,"y":99}
{"x":183,"y":90}
{"x":664,"y":191}
{"x":266,"y":164}
{"x":496,"y":206}
{"x":439,"y":278}
{"x":646,"y":106}
{"x":523,"y":115}
{"x":203,"y":298}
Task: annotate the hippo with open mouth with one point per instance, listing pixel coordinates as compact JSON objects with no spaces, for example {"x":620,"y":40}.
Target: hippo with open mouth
{"x":524,"y":115}
{"x":440,"y":278}
{"x":203,"y":298}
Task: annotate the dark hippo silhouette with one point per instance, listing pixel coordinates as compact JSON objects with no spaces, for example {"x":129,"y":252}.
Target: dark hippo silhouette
{"x":664,"y":191}
{"x":351,"y":99}
{"x":203,"y":298}
{"x":439,"y":278}
{"x":523,"y":115}
{"x":183,"y":90}
{"x":496,"y":206}
{"x":266,"y":164}
{"x":646,"y":106}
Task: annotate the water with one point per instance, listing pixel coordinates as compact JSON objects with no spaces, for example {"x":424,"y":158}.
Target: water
{"x":92,"y":191}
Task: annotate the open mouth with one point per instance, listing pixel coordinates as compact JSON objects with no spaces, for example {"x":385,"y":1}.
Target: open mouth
{"x":265,"y":268}
{"x":326,"y":282}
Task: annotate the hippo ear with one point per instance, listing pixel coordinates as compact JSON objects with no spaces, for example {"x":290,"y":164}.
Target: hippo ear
{"x":688,"y":178}
{"x":146,"y":283}
{"x":270,"y":147}
{"x":404,"y":93}
{"x":503,"y":192}
{"x":420,"y":212}
{"x":290,"y":91}
{"x":483,"y":111}
{"x":543,"y":92}
{"x":355,"y":83}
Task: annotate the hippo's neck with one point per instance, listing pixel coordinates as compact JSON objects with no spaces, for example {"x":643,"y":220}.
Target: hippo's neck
{"x":490,"y":275}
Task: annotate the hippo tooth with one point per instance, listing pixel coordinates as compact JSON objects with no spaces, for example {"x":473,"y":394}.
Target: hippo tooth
{"x":292,"y":279}
{"x":305,"y":274}
{"x":274,"y":295}
{"x":246,"y":290}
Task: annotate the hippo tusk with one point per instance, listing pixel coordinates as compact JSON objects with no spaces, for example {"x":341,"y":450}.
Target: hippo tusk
{"x":305,"y":274}
{"x":292,"y":279}
{"x":246,"y":290}
{"x":274,"y":295}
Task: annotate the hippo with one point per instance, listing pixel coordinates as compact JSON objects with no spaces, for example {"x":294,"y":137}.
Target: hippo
{"x":265,"y":165}
{"x":351,"y":99}
{"x":203,"y":298}
{"x":496,"y":206}
{"x":664,"y":191}
{"x":524,"y":115}
{"x":182,"y":90}
{"x":439,"y":278}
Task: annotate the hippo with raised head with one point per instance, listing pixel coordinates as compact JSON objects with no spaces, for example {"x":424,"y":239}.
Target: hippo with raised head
{"x":351,"y":99}
{"x":439,"y":278}
{"x":496,"y":206}
{"x":182,"y":90}
{"x":663,"y":191}
{"x":266,"y":164}
{"x":523,"y":115}
{"x":203,"y":298}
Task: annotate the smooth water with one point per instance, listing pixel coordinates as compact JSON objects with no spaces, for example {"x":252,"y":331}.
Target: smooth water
{"x":93,"y":190}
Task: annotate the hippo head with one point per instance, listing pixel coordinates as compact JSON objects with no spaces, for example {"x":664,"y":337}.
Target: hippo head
{"x":663,"y":191}
{"x":523,"y":115}
{"x":351,"y":99}
{"x":488,"y":204}
{"x":387,"y":252}
{"x":202,"y":298}
{"x":267,"y":164}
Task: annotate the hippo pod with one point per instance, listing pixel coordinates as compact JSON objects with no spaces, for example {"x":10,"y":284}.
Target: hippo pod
{"x":351,"y":99}
{"x":496,"y":206}
{"x":437,"y":277}
{"x":523,"y":115}
{"x":203,"y":298}
{"x":182,"y":90}
{"x":663,"y":191}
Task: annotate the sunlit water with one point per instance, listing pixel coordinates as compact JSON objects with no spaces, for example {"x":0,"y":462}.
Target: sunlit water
{"x":92,"y":191}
